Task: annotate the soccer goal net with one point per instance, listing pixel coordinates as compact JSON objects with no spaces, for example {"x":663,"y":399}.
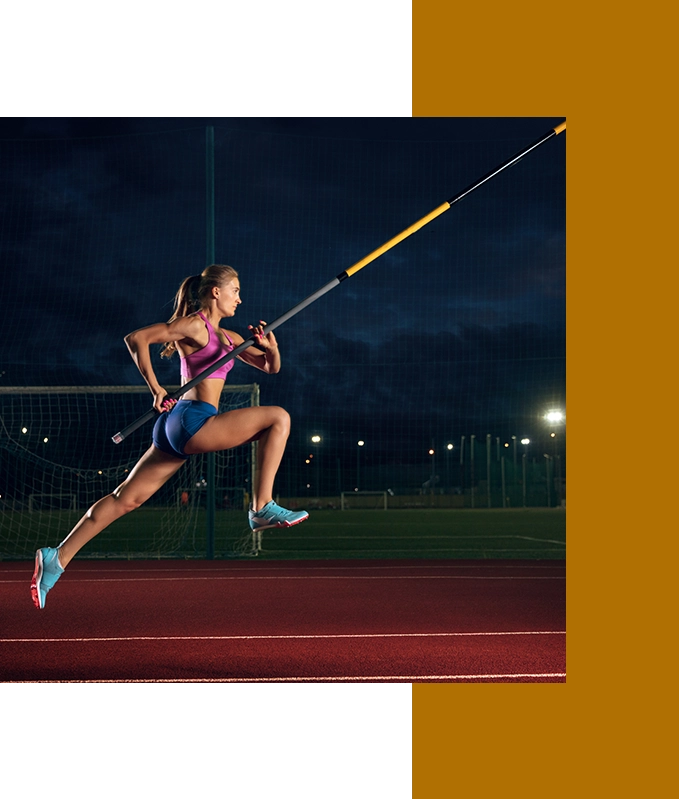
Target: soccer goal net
{"x":364,"y":500}
{"x":57,"y":458}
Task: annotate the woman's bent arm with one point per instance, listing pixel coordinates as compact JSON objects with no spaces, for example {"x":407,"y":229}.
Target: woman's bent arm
{"x":139,"y":342}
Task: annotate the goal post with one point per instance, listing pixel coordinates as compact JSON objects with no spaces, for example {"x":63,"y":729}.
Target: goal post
{"x":364,"y":500}
{"x":56,"y":460}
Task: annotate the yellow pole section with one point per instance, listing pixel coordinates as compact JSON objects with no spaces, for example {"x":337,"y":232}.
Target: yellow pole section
{"x":559,"y":128}
{"x":392,"y":242}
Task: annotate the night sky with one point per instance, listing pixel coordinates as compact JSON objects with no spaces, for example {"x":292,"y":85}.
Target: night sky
{"x":459,"y":330}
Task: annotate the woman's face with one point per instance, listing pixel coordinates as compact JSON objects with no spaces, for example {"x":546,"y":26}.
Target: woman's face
{"x":228,"y":297}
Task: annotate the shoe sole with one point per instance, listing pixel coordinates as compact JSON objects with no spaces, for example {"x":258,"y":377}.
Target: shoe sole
{"x":279,"y":525}
{"x":37,"y":580}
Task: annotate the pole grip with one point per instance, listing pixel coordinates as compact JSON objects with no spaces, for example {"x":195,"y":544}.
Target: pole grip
{"x":560,"y":127}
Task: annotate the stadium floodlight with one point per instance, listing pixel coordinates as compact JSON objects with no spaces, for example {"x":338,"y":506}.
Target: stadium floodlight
{"x":525,"y":441}
{"x":555,"y":416}
{"x":316,"y":439}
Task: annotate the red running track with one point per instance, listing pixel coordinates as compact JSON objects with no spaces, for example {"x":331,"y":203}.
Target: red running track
{"x":301,"y":621}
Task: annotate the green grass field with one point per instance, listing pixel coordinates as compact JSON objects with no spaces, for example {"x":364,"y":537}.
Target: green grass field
{"x":431,"y":533}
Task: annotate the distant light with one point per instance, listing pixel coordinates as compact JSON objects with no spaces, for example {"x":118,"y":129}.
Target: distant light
{"x":45,"y":440}
{"x":316,"y":439}
{"x":554,"y":416}
{"x":552,"y":435}
{"x":307,"y":461}
{"x":450,"y":446}
{"x":525,"y":441}
{"x":24,"y":430}
{"x":431,"y":451}
{"x":361,"y":444}
{"x":506,"y":445}
{"x":99,"y":472}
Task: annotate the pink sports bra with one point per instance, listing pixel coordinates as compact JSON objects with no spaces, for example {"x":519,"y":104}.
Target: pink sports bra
{"x":198,"y":362}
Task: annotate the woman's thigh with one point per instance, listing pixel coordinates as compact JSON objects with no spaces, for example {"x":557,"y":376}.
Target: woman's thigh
{"x":233,"y":428}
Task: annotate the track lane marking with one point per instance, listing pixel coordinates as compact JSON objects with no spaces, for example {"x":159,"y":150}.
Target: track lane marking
{"x":374,"y":678}
{"x":484,"y":566}
{"x":273,"y":637}
{"x":305,"y":577}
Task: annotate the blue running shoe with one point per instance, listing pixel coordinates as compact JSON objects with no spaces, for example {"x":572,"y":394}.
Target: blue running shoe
{"x":47,"y":572}
{"x":272,"y":515}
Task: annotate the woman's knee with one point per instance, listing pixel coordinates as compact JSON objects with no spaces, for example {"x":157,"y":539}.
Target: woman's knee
{"x":126,"y":501}
{"x":276,"y":420}
{"x":282,"y":418}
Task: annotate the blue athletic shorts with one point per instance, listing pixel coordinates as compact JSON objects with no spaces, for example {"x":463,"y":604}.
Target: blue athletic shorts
{"x":173,"y":429}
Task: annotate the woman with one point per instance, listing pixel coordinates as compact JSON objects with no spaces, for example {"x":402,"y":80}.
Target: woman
{"x":191,"y":425}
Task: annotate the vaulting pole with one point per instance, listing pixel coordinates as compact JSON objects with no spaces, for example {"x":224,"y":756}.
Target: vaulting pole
{"x":150,"y":414}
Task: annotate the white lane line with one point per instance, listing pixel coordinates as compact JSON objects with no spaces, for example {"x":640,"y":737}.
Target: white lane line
{"x":307,"y":577}
{"x":483,"y":566}
{"x":403,"y":678}
{"x":273,"y":637}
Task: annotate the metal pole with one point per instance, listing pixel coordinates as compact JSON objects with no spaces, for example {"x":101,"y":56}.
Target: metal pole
{"x":504,"y":489}
{"x":523,"y":468}
{"x":118,"y":437}
{"x":471,"y":466}
{"x":432,"y":479}
{"x":256,"y":536}
{"x":358,"y":467}
{"x":559,"y":480}
{"x":211,"y":497}
{"x":462,"y":468}
{"x":488,"y":440}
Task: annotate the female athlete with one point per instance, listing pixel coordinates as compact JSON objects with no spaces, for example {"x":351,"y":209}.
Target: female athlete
{"x":191,"y":425}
